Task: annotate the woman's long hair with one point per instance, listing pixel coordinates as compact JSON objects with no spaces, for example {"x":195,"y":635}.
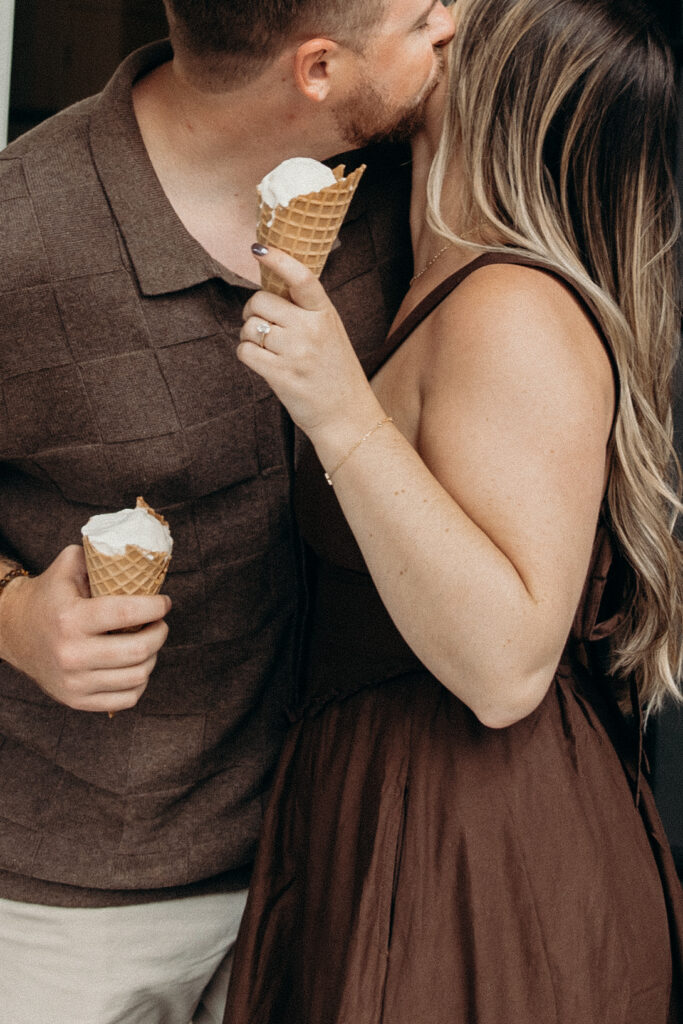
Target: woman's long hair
{"x":562,"y":114}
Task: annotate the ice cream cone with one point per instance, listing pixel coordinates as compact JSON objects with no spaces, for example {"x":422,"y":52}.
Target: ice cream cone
{"x":136,"y":571}
{"x":307,"y":227}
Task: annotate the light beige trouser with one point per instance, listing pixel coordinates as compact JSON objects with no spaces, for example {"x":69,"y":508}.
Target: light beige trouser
{"x":154,"y":963}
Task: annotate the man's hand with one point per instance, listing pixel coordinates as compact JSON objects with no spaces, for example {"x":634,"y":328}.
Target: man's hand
{"x":54,"y":632}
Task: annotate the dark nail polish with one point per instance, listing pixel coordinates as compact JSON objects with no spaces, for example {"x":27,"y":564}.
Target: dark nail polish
{"x":259,"y":250}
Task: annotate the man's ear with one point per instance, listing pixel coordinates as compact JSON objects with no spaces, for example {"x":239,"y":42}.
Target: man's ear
{"x":315,"y":63}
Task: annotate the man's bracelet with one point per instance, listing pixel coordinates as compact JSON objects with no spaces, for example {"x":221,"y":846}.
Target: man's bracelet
{"x":12,"y":575}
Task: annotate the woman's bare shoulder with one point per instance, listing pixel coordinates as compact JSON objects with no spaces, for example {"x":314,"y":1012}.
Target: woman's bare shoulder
{"x":507,"y":322}
{"x":517,"y":401}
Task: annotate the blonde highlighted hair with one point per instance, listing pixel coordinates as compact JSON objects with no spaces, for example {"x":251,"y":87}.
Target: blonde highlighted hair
{"x":562,"y":114}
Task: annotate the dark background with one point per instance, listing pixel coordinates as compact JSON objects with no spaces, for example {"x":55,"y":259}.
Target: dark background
{"x":67,"y":49}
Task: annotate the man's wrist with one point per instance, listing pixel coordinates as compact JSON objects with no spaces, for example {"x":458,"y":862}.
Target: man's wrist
{"x":13,"y":573}
{"x":13,"y":577}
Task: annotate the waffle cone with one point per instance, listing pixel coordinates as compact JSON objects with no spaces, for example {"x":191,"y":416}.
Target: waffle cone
{"x":307,"y":227}
{"x":135,"y":572}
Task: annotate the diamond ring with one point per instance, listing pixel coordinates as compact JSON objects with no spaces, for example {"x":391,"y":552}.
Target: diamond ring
{"x":263,"y":330}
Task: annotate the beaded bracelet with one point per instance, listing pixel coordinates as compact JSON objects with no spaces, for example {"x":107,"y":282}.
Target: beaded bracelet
{"x":12,"y":575}
{"x":328,"y":476}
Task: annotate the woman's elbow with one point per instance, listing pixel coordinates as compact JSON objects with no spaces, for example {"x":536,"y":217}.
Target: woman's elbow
{"x":503,"y":716}
{"x":499,"y":707}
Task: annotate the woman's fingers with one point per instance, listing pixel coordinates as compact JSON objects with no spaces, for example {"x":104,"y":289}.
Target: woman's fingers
{"x":259,"y":330}
{"x":300,"y":347}
{"x":304,"y":287}
{"x":273,"y":308}
{"x":262,"y":334}
{"x":271,"y":321}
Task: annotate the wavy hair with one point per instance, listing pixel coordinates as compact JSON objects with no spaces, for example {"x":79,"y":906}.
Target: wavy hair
{"x":562,"y":114}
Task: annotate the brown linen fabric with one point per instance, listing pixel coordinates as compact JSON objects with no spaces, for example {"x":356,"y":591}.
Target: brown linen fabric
{"x":119,"y":377}
{"x":417,"y":867}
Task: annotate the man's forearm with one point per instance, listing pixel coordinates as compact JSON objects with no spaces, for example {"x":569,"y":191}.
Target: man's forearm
{"x":10,"y":572}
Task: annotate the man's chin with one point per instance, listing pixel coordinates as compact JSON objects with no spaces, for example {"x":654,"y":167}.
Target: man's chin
{"x":360,"y":130}
{"x":414,"y":120}
{"x":410,"y":125}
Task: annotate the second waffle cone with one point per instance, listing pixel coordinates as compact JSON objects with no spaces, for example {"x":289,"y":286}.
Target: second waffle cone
{"x":135,"y":572}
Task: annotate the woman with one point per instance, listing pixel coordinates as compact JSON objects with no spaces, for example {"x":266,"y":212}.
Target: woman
{"x":460,"y":830}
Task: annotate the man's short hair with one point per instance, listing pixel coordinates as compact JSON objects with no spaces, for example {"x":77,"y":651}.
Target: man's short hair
{"x":227,"y":42}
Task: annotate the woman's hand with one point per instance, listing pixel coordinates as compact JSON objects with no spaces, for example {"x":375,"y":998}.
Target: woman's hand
{"x":304,"y":353}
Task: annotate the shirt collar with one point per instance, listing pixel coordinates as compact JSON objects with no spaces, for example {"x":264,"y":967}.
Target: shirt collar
{"x":165,"y":257}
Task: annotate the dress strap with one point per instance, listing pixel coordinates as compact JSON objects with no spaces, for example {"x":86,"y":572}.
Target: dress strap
{"x":450,"y":283}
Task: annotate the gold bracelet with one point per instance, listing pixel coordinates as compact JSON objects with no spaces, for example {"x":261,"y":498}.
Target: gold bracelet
{"x":328,"y":476}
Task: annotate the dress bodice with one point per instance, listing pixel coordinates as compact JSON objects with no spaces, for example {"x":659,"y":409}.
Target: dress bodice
{"x":353,"y":641}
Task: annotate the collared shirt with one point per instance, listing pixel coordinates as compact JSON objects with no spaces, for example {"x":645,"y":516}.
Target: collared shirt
{"x":119,"y":377}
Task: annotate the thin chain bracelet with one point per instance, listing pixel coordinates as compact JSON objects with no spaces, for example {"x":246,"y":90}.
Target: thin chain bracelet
{"x":328,"y":476}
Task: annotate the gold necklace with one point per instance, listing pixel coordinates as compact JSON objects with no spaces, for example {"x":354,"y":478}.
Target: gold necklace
{"x":430,"y":263}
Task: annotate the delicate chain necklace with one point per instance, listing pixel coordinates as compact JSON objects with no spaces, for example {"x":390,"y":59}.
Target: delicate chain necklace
{"x":431,"y":262}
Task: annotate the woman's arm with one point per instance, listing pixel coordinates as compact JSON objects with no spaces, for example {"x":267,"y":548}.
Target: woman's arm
{"x":479,"y":540}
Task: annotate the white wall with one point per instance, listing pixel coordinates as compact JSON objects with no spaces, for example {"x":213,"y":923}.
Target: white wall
{"x":6,"y":32}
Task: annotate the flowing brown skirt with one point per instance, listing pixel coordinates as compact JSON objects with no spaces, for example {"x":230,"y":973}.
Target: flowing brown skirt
{"x":419,"y":868}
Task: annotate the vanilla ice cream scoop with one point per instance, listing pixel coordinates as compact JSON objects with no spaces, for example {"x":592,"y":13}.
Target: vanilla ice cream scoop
{"x":302,"y":204}
{"x":112,"y":533}
{"x":298,"y":176}
{"x":127,"y":553}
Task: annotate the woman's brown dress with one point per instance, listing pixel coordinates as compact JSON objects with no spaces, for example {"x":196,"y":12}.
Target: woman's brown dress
{"x":417,"y":867}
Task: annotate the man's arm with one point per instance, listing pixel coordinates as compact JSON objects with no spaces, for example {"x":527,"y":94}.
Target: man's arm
{"x":7,"y":568}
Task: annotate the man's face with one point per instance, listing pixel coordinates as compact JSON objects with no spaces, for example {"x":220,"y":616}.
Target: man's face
{"x":398,"y":71}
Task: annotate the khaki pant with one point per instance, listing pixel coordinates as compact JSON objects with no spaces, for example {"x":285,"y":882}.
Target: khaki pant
{"x":155,"y":963}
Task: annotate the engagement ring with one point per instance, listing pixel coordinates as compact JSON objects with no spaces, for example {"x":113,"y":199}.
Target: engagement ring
{"x":263,"y":330}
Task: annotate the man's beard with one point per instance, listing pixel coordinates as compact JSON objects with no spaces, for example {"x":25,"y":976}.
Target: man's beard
{"x":367,"y":118}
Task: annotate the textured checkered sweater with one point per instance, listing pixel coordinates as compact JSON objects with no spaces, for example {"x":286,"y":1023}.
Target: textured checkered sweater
{"x":119,"y":377}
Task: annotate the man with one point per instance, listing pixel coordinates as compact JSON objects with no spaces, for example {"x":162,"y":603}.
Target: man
{"x":125,"y":843}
